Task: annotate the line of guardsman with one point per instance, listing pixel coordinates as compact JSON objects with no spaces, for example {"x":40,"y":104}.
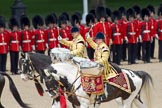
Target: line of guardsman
{"x":134,"y":28}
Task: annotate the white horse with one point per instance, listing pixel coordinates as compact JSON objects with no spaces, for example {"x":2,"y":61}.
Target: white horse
{"x":68,"y":76}
{"x":71,"y":75}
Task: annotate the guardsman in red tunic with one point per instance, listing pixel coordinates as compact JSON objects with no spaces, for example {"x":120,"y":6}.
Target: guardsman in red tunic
{"x":68,"y":25}
{"x":146,"y":37}
{"x":153,"y":32}
{"x":90,"y":30}
{"x":123,"y":23}
{"x":64,"y":30}
{"x":26,"y":35}
{"x":75,"y":21}
{"x":131,"y":35}
{"x":137,"y":11}
{"x":160,"y":33}
{"x":109,"y":22}
{"x":102,"y":25}
{"x":15,"y":42}
{"x":4,"y":44}
{"x":52,"y":32}
{"x":39,"y":34}
{"x":116,"y":37}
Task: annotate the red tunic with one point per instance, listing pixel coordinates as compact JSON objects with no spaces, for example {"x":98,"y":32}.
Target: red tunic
{"x":105,"y":29}
{"x":153,"y":24}
{"x":15,"y":41}
{"x":131,"y":32}
{"x":52,"y":37}
{"x":116,"y":34}
{"x":39,"y":40}
{"x":27,"y":40}
{"x":160,"y":29}
{"x":92,"y":32}
{"x":145,"y":31}
{"x":138,"y":29}
{"x":124,"y":25}
{"x":4,"y":42}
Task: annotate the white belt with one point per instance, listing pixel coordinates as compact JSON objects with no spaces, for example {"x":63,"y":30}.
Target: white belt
{"x":146,"y":31}
{"x":3,"y":44}
{"x":131,"y":33}
{"x":39,"y":41}
{"x":14,"y":41}
{"x":52,"y":39}
{"x":26,"y":41}
{"x":117,"y":34}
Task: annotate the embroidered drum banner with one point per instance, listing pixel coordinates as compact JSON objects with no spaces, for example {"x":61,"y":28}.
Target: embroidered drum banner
{"x":92,"y":84}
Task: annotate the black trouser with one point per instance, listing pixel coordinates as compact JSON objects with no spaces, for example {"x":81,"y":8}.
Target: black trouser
{"x":146,"y":51}
{"x":3,"y":60}
{"x":139,"y":47}
{"x":131,"y":53}
{"x":160,"y":50}
{"x":90,"y":52}
{"x":124,"y":50}
{"x":41,"y":52}
{"x":116,"y":53}
{"x":152,"y":48}
{"x":49,"y":50}
{"x":14,"y":57}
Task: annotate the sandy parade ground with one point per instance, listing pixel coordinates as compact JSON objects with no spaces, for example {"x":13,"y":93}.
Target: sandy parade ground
{"x":29,"y":94}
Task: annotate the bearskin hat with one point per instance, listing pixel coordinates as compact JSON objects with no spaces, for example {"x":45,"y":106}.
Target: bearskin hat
{"x":130,"y":13}
{"x":2,"y":22}
{"x":79,"y":15}
{"x":137,"y":9}
{"x":108,"y":12}
{"x":24,"y":21}
{"x":92,"y":11}
{"x":37,"y":20}
{"x":116,"y":15}
{"x":89,"y":18}
{"x":144,"y":12}
{"x":66,"y":15}
{"x":100,"y":12}
{"x":160,"y":11}
{"x":13,"y":22}
{"x":55,"y":17}
{"x":50,"y":19}
{"x":151,"y":8}
{"x":74,"y":19}
{"x":62,"y":20}
{"x":122,"y":10}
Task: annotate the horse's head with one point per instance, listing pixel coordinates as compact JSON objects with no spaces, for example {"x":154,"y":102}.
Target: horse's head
{"x":26,"y":67}
{"x":52,"y":86}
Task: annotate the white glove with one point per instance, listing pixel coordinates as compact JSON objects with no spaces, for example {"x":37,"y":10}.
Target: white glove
{"x":140,"y":38}
{"x":156,"y":36}
{"x":87,"y":35}
{"x":59,"y":38}
{"x":33,"y":47}
{"x":126,"y":39}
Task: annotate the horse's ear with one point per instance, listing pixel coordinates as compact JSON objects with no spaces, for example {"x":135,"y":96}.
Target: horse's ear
{"x":22,"y":55}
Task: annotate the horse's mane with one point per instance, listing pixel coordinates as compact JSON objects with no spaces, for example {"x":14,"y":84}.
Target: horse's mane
{"x":40,"y":61}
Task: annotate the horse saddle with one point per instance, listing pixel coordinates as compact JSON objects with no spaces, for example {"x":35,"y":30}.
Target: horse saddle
{"x":121,"y":80}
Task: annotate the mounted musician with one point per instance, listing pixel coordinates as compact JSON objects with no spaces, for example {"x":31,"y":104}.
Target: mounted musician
{"x":77,"y":45}
{"x":101,"y":54}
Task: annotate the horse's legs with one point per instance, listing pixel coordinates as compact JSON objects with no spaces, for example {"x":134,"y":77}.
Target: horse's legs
{"x":56,"y":105}
{"x":2,"y":83}
{"x":119,"y":102}
{"x":139,"y":103}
